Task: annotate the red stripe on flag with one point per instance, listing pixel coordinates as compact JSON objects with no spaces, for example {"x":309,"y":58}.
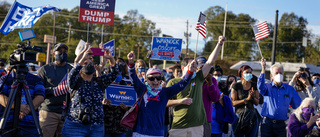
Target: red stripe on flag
{"x":263,"y":31}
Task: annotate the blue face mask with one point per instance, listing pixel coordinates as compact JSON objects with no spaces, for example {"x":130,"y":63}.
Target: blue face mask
{"x":118,"y":79}
{"x":140,"y":70}
{"x":194,"y":75}
{"x":316,"y":81}
{"x":247,"y":77}
{"x":62,"y":57}
{"x":1,"y":70}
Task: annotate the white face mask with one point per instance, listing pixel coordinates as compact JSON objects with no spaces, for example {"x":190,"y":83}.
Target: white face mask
{"x":217,"y":78}
{"x":278,"y":78}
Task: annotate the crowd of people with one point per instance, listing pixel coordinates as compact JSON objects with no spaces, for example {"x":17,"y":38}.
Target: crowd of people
{"x":190,"y":100}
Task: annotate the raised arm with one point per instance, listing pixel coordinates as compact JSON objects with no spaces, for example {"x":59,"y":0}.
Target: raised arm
{"x":77,"y":59}
{"x":137,"y":84}
{"x":181,"y":85}
{"x":213,"y":56}
{"x":261,"y":81}
{"x":107,"y":79}
{"x":73,"y":75}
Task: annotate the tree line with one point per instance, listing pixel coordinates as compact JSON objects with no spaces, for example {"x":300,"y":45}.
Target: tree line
{"x":134,"y":32}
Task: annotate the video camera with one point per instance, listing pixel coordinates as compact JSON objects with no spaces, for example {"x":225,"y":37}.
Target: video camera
{"x":20,"y":56}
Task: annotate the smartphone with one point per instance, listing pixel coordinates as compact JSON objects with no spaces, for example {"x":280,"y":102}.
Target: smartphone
{"x":97,"y":52}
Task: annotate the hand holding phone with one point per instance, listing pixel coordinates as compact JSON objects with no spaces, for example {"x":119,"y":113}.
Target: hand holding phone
{"x":97,"y":52}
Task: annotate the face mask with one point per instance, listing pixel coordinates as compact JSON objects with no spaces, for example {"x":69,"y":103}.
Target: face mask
{"x":217,"y":78}
{"x":306,"y":112}
{"x":194,"y":75}
{"x":1,"y":70}
{"x":230,"y":82}
{"x":316,"y":81}
{"x":62,"y":57}
{"x":140,"y":70}
{"x":278,"y":78}
{"x":118,"y":79}
{"x":247,"y":77}
{"x":88,"y":69}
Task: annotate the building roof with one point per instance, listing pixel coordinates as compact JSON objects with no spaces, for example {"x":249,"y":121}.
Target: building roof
{"x":288,"y":66}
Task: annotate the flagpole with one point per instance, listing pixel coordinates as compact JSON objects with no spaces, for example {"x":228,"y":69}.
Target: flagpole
{"x":224,"y":29}
{"x":259,"y":48}
{"x":88,"y":33}
{"x":195,"y":53}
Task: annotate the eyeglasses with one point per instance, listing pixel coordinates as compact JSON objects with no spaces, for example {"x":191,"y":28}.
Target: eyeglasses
{"x":153,"y":78}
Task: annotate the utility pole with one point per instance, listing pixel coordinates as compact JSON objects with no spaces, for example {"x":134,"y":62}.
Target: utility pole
{"x":138,"y":50}
{"x":274,"y":44}
{"x":69,"y":33}
{"x":187,"y":35}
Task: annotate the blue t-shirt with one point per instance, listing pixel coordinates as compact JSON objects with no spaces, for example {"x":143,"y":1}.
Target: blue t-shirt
{"x":36,"y":88}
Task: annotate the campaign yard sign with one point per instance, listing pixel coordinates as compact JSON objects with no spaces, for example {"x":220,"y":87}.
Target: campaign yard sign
{"x":121,"y":94}
{"x":97,"y":11}
{"x":110,"y":46}
{"x":166,"y":48}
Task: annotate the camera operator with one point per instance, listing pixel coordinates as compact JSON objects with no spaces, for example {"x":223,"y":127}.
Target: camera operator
{"x":37,"y":92}
{"x":85,"y":117}
{"x":303,"y":84}
{"x":52,"y":107}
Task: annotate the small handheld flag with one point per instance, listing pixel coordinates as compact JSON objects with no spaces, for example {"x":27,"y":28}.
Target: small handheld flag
{"x":201,"y":25}
{"x":261,"y":31}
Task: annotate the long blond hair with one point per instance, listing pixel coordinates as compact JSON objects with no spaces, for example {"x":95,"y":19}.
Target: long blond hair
{"x":298,"y":111}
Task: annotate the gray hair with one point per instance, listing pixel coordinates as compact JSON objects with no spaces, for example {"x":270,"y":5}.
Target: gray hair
{"x":298,"y":111}
{"x":276,"y":66}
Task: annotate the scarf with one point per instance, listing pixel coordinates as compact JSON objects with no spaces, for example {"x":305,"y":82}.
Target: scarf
{"x":153,"y":94}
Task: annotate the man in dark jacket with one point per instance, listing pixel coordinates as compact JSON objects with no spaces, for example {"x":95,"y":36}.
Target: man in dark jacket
{"x":52,"y":107}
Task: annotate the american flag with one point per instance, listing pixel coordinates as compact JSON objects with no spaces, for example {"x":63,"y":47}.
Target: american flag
{"x":62,"y":87}
{"x":201,"y":25}
{"x":261,"y":31}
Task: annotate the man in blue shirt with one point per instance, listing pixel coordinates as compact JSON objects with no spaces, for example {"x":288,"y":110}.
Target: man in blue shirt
{"x":277,"y":98}
{"x":37,"y":91}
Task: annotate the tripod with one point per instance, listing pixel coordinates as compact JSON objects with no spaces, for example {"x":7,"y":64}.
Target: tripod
{"x":18,"y":84}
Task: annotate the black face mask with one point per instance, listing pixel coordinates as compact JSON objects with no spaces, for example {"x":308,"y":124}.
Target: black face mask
{"x":62,"y":57}
{"x":88,"y":69}
{"x":230,"y":82}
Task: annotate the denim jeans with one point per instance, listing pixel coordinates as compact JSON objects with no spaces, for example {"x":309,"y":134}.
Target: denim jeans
{"x":253,"y":131}
{"x":271,"y":129}
{"x":73,"y":129}
{"x":23,"y":132}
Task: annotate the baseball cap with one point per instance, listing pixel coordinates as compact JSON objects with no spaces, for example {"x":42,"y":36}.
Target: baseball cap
{"x":153,"y":71}
{"x":201,"y":61}
{"x":59,"y":45}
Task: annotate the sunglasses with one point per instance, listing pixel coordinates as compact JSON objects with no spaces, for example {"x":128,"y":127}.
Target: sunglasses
{"x":153,"y":78}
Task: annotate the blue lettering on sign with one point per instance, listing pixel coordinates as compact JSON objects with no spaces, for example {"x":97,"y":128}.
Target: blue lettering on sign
{"x":166,"y":48}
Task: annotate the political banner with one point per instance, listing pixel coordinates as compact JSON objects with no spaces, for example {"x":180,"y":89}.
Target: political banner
{"x":118,"y":94}
{"x":166,"y":48}
{"x":110,"y":46}
{"x":97,"y":11}
{"x":21,"y":16}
